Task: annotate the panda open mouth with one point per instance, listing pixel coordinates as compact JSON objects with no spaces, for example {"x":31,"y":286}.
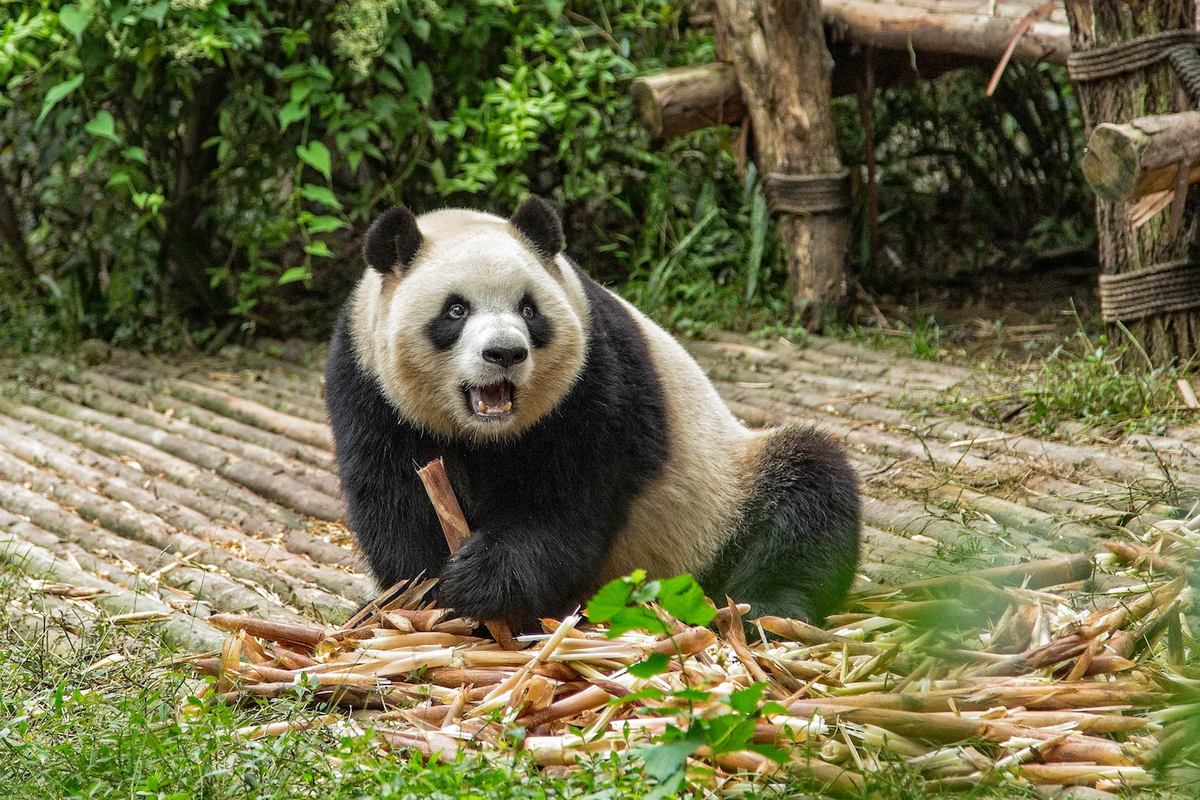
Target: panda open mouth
{"x":493,"y":401}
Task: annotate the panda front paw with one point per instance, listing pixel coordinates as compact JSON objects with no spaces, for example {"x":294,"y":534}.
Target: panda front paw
{"x":480,"y":582}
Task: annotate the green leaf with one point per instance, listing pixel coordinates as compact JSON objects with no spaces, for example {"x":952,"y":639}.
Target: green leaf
{"x":773,"y":753}
{"x":319,"y":194}
{"x":295,"y":274}
{"x":420,"y":81}
{"x":634,"y":619}
{"x":118,"y":179}
{"x":103,"y":125}
{"x":610,"y":600}
{"x":58,"y":92}
{"x":646,"y":593}
{"x":656,"y":664}
{"x":75,"y":20}
{"x":669,"y":787}
{"x":683,"y":599}
{"x":318,"y":248}
{"x":664,"y":760}
{"x":692,"y":695}
{"x":316,"y":155}
{"x":135,"y":154}
{"x":324,"y":224}
{"x":649,"y":693}
{"x":157,"y":12}
{"x":746,"y":700}
{"x":291,"y":113}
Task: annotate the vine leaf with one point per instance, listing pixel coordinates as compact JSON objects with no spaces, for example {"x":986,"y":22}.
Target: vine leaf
{"x":316,"y":155}
{"x":58,"y":92}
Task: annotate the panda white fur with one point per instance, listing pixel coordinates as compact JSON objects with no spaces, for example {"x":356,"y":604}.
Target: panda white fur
{"x":583,"y":441}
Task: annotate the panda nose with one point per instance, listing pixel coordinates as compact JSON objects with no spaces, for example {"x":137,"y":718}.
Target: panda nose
{"x":505,"y":356}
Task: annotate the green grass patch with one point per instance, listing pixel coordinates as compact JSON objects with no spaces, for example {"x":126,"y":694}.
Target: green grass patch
{"x":1087,"y":381}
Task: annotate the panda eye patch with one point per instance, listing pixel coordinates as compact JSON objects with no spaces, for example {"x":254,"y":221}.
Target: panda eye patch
{"x":539,"y":327}
{"x":444,"y":329}
{"x":456,"y":307}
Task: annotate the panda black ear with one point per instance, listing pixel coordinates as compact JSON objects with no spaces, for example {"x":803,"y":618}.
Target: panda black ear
{"x":538,"y":223}
{"x":392,"y":241}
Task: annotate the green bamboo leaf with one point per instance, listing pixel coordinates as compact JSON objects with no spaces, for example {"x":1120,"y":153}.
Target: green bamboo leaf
{"x":58,"y":92}
{"x":318,"y":249}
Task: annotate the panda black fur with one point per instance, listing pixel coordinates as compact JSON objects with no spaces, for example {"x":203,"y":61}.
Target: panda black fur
{"x":582,"y":441}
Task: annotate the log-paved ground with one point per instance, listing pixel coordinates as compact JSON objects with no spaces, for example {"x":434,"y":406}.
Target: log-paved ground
{"x":182,"y":489}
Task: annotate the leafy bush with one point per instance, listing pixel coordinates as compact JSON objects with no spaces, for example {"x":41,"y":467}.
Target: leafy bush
{"x":970,"y":183}
{"x":202,"y":167}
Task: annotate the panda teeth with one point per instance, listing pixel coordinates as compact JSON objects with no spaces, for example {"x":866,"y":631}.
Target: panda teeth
{"x":482,"y":407}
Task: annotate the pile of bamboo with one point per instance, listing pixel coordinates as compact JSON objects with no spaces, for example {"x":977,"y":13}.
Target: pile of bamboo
{"x":1025,"y":673}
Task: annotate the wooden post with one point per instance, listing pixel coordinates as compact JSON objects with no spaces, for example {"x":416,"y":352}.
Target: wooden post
{"x":783,"y":67}
{"x":1119,"y":99}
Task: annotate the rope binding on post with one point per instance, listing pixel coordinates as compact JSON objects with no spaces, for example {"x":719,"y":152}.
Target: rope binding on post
{"x":808,"y":194}
{"x":1158,"y":289}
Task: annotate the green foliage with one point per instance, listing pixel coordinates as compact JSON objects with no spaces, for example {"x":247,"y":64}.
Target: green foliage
{"x":969,"y":183}
{"x":199,"y":168}
{"x":633,"y":603}
{"x":1086,"y":380}
{"x":134,"y":729}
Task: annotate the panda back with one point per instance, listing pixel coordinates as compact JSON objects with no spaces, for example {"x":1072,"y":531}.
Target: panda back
{"x":683,"y":517}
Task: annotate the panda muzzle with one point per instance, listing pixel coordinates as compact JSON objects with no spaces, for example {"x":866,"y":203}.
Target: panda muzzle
{"x":493,"y":400}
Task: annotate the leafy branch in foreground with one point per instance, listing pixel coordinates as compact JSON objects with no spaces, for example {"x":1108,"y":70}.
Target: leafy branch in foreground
{"x":632,"y":603}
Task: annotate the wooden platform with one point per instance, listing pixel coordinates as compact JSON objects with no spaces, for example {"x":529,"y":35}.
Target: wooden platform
{"x":185,"y":489}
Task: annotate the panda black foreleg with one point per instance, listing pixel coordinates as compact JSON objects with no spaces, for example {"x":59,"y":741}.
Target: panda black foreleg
{"x":520,"y":571}
{"x":796,"y":549}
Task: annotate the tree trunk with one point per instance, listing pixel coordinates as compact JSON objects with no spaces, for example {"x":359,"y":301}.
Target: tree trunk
{"x":1123,"y":249}
{"x":11,"y":234}
{"x":778,"y":49}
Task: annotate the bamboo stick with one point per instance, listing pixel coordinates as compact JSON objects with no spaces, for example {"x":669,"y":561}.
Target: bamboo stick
{"x":454,"y":526}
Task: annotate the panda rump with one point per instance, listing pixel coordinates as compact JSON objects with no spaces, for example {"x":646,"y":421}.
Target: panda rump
{"x":582,"y":440}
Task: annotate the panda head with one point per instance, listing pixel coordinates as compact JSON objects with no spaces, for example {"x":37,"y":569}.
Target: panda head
{"x":475,"y":326}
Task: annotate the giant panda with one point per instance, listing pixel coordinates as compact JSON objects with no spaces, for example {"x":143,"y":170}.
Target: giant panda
{"x":582,"y":441}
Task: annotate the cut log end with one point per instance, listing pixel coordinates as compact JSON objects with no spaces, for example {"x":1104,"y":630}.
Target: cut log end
{"x":1126,"y":162}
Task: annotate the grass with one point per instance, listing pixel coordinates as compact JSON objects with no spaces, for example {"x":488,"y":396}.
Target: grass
{"x":134,"y":730}
{"x":1088,"y":381}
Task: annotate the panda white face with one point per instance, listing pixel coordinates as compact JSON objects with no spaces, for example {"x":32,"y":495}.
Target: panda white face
{"x":480,"y":336}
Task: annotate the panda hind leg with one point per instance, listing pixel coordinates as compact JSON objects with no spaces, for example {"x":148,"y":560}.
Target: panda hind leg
{"x":795,"y":551}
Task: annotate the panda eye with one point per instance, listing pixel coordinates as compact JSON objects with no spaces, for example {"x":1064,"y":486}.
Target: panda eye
{"x":527,"y":311}
{"x":456,"y":311}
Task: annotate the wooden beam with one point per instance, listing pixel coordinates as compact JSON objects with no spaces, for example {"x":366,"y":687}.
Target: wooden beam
{"x":687,"y":99}
{"x":783,"y":67}
{"x":1127,"y":162}
{"x":943,"y":27}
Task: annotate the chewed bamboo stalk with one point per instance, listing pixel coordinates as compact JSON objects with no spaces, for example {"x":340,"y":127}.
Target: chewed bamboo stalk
{"x":279,"y":728}
{"x":274,"y":631}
